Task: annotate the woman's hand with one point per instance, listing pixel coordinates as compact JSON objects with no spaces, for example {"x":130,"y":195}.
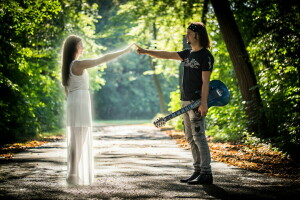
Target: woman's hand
{"x":128,"y":49}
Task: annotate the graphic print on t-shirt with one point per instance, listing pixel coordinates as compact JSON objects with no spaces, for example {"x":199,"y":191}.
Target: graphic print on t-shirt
{"x":195,"y":62}
{"x":209,"y":63}
{"x":191,"y":63}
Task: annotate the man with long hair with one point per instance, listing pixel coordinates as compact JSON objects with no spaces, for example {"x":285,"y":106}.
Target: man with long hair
{"x":198,"y":65}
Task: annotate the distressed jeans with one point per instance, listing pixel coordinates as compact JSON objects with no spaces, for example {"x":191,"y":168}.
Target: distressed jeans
{"x":194,"y":130}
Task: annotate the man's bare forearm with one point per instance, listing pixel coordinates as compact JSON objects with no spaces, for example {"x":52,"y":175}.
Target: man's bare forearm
{"x":204,"y":92}
{"x":162,"y":54}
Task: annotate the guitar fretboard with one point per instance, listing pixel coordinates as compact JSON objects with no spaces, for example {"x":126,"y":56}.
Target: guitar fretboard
{"x":185,"y":109}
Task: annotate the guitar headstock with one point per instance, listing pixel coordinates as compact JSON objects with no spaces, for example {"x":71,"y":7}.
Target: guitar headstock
{"x":159,"y":122}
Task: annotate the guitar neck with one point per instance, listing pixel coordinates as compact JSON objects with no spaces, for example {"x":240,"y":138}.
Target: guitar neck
{"x":185,"y":109}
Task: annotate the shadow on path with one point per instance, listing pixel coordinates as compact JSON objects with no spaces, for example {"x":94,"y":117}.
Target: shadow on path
{"x":132,"y":162}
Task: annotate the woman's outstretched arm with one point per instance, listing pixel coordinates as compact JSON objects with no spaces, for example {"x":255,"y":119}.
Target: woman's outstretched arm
{"x":80,"y":65}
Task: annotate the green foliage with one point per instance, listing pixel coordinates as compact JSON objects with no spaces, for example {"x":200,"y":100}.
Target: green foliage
{"x":32,"y":99}
{"x":24,"y":76}
{"x":174,"y":105}
{"x":274,"y":49}
{"x":228,"y":123}
{"x":129,"y":91}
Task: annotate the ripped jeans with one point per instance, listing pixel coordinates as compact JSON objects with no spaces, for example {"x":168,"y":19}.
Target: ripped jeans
{"x":194,"y":129}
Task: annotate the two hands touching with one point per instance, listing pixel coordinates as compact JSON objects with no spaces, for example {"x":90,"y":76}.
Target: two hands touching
{"x":139,"y":50}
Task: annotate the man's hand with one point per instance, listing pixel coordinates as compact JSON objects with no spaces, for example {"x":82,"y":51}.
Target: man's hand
{"x":140,"y":50}
{"x":203,"y":109}
{"x":158,"y":53}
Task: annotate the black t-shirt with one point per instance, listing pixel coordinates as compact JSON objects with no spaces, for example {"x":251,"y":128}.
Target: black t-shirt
{"x":194,"y":64}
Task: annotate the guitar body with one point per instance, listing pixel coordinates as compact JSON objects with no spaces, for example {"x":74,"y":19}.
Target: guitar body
{"x":218,"y":95}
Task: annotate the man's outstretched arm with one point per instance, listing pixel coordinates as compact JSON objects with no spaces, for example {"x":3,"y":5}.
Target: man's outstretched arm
{"x":158,"y":54}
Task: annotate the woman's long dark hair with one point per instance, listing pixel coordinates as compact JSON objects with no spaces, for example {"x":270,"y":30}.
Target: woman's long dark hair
{"x":69,"y":51}
{"x":203,"y":36}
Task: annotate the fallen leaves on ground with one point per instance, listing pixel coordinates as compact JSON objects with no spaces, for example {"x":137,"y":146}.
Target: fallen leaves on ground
{"x":7,"y":151}
{"x":256,"y":158}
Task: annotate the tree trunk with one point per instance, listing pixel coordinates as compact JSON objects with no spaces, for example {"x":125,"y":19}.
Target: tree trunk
{"x":204,"y":11}
{"x":156,"y":80}
{"x":298,"y":66}
{"x":243,"y":68}
{"x":181,"y":66}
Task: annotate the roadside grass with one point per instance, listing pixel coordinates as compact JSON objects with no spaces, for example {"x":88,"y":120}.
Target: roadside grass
{"x":122,"y":122}
{"x":50,"y":134}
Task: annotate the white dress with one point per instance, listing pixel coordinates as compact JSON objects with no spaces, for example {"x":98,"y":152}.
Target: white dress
{"x":80,"y":159}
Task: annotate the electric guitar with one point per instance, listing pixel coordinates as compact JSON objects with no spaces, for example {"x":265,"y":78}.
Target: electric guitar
{"x":218,"y":95}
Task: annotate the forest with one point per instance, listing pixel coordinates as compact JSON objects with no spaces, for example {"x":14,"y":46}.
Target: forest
{"x":255,"y":44}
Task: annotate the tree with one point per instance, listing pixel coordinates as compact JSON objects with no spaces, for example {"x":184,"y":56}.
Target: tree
{"x":156,"y":80}
{"x":242,"y":66}
{"x":32,"y":99}
{"x":130,"y":75}
{"x":270,"y":30}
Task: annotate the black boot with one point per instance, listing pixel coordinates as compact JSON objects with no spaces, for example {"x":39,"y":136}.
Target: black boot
{"x":202,"y":179}
{"x":194,"y":175}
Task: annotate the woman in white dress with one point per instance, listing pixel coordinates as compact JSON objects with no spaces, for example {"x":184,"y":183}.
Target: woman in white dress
{"x":75,"y":79}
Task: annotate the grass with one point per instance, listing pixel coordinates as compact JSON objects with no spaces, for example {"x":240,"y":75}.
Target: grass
{"x":122,"y":122}
{"x":61,"y":132}
{"x":57,"y":133}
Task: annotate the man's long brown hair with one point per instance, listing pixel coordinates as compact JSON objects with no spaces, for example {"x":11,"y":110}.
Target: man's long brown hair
{"x":203,"y":36}
{"x":68,"y":55}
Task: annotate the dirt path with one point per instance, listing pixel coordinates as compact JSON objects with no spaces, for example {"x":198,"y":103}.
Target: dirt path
{"x":132,"y":162}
